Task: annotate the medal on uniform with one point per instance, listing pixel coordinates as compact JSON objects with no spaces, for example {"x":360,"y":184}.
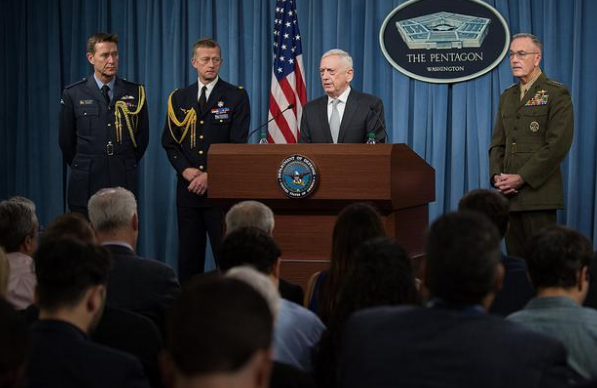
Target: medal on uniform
{"x":534,"y":126}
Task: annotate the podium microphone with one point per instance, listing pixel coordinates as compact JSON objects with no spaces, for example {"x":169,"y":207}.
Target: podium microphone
{"x":290,"y":106}
{"x":380,"y":121}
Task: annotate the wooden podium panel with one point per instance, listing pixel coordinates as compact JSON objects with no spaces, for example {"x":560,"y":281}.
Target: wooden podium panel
{"x":390,"y":176}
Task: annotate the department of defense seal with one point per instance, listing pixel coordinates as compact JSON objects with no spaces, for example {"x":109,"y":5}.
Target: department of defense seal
{"x":297,"y":176}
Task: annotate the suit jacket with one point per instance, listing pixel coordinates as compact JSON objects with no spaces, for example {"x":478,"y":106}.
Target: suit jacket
{"x":144,"y":286}
{"x":62,"y":356}
{"x":531,"y":137}
{"x":363,"y":113}
{"x":429,"y":347}
{"x":87,"y":126}
{"x":226,"y":120}
{"x":517,"y":289}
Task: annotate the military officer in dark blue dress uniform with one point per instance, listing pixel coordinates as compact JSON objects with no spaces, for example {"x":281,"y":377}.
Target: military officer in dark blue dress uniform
{"x":206,"y":112}
{"x":104,"y":128}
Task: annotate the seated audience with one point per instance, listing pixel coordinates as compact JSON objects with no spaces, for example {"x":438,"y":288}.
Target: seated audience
{"x":255,"y":214}
{"x":559,"y":263}
{"x":71,"y":292}
{"x":382,"y":275}
{"x":517,"y":289}
{"x":4,"y":274}
{"x":146,"y":287}
{"x":591,"y":300}
{"x":356,"y":224}
{"x":14,"y":340}
{"x":18,"y":237}
{"x":297,"y":330}
{"x":219,"y":334}
{"x":453,"y":342}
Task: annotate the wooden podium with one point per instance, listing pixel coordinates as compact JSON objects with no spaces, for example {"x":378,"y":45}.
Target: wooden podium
{"x":390,"y":176}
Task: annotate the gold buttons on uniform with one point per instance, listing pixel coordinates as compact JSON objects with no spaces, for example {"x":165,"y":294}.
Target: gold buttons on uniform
{"x":200,"y":152}
{"x":200,"y":167}
{"x":200,"y":136}
{"x":221,"y":121}
{"x":109,"y":125}
{"x":201,"y":122}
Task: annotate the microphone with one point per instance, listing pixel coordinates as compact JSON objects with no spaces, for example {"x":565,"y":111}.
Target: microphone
{"x":290,"y":106}
{"x":379,"y":120}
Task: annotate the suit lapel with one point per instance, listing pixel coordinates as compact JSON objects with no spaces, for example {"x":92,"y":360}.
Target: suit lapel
{"x":349,"y":111}
{"x":94,"y":91}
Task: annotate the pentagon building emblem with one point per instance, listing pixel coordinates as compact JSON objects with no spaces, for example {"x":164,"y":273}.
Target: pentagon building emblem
{"x":297,"y":176}
{"x":443,"y":41}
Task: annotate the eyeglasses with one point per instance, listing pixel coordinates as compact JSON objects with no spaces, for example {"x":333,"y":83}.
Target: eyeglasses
{"x":521,"y":54}
{"x":205,"y":60}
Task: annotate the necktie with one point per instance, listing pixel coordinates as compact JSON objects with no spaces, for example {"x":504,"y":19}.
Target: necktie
{"x":335,"y":120}
{"x":105,"y":90}
{"x":202,"y":99}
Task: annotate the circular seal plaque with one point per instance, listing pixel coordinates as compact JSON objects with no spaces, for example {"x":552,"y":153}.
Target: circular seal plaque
{"x":297,"y":176}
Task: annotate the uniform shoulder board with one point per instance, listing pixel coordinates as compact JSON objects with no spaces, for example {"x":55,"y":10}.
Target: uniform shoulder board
{"x":129,"y":82}
{"x":76,"y":83}
{"x":554,"y":83}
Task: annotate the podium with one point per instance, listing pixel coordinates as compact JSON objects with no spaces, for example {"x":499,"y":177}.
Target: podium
{"x":392,"y":177}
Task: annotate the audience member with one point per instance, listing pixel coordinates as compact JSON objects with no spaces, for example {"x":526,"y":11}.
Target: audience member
{"x":136,"y":284}
{"x":14,"y":340}
{"x":4,"y":274}
{"x":73,"y":225}
{"x":71,"y":292}
{"x":256,"y":214}
{"x":591,"y":300}
{"x":297,"y":330}
{"x":219,"y":334}
{"x":18,"y":237}
{"x":516,"y":290}
{"x":356,"y":224}
{"x":559,"y":264}
{"x":382,"y":275}
{"x":453,"y":342}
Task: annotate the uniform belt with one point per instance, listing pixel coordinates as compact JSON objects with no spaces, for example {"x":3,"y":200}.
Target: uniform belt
{"x":109,"y":149}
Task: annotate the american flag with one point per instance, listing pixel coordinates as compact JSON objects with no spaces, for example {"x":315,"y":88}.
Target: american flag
{"x":288,"y":76}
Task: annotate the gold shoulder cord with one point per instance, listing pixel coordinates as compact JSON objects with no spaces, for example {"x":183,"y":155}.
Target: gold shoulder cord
{"x":190,"y":121}
{"x":121,"y":109}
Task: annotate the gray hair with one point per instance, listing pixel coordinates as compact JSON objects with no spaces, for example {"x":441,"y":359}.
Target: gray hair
{"x":111,"y":209}
{"x":532,"y":37}
{"x":261,"y":283}
{"x":342,"y":54}
{"x":17,"y":221}
{"x":250,"y":214}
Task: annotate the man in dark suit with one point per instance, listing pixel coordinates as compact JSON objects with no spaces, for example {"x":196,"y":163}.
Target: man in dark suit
{"x":140,"y":285}
{"x":453,"y":342}
{"x":343,"y":115}
{"x":517,"y":289}
{"x":206,"y":112}
{"x":71,"y":294}
{"x":532,"y":134}
{"x":104,"y":129}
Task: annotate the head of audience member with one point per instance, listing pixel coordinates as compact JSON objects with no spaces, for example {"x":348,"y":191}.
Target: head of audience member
{"x":18,"y":226}
{"x":207,"y":59}
{"x":71,"y":281}
{"x":250,"y":214}
{"x":102,"y":54}
{"x":260,"y":282}
{"x":336,"y":72}
{"x":219,"y":334}
{"x":356,"y":224}
{"x":463,"y":266}
{"x":559,"y":262}
{"x":493,"y":204}
{"x":525,"y":56}
{"x":4,"y":274}
{"x":14,"y":340}
{"x":254,"y":247}
{"x":113,"y":214}
{"x":73,"y":225}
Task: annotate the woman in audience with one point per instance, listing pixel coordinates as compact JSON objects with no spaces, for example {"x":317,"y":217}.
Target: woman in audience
{"x":381,"y":275}
{"x":356,"y":224}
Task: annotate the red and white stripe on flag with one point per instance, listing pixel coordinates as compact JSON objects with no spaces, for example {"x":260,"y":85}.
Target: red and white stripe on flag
{"x":288,"y":76}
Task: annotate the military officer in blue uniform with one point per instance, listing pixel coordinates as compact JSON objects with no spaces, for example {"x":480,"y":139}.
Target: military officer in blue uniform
{"x":208,"y":111}
{"x":532,"y":135}
{"x":104,"y":128}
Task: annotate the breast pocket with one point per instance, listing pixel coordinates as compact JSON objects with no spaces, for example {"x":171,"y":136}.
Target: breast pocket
{"x":535,"y":121}
{"x":86,"y":116}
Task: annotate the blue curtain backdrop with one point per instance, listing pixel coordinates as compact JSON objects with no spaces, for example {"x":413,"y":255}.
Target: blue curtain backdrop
{"x":43,"y":50}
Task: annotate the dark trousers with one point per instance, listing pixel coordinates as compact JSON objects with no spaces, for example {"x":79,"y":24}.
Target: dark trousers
{"x":522,"y":226}
{"x":193,"y":224}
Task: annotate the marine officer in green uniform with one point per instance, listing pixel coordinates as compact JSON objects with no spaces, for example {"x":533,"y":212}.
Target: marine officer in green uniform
{"x":532,"y":134}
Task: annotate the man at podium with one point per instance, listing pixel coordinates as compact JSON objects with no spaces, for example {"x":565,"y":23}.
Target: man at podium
{"x":344,"y":115}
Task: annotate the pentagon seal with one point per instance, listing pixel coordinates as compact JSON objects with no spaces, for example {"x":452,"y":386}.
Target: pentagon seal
{"x":297,"y":176}
{"x":534,"y":126}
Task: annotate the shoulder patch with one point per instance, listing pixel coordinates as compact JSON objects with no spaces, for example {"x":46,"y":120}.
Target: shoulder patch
{"x":76,"y":83}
